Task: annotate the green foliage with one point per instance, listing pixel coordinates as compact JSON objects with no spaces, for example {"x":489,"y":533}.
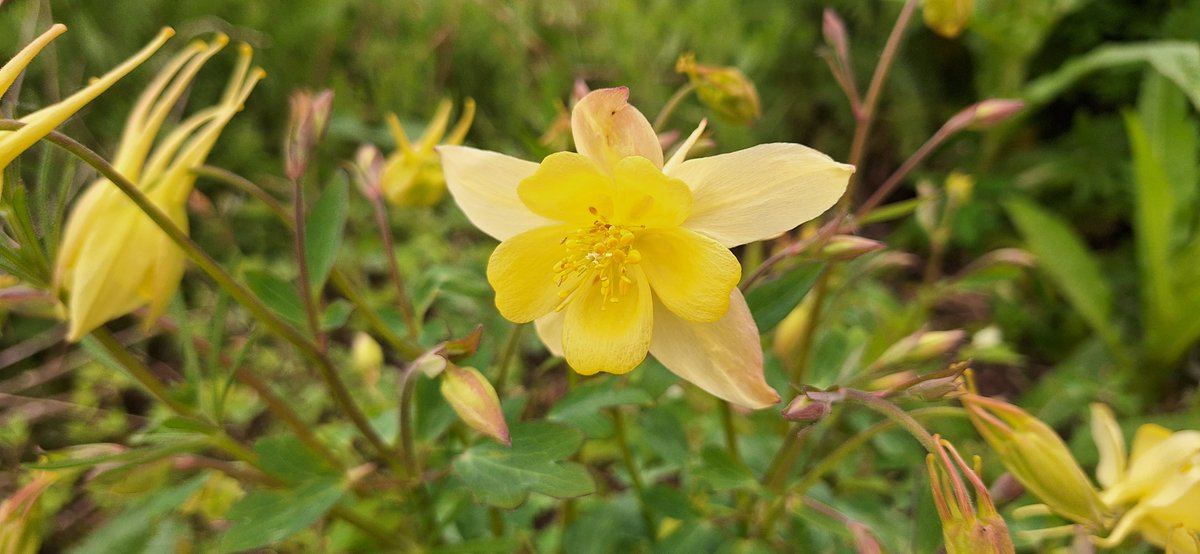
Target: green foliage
{"x":503,"y":476}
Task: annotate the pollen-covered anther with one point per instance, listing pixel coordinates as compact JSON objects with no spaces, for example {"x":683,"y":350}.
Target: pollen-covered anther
{"x":596,"y":256}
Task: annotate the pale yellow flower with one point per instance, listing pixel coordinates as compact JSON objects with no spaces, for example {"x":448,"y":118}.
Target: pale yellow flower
{"x":1156,"y":488}
{"x":39,"y":124}
{"x":114,"y":259}
{"x":412,"y":175}
{"x":615,"y":253}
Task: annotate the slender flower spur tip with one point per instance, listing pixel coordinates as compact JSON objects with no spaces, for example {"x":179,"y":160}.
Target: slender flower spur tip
{"x":475,"y":401}
{"x":413,"y":175}
{"x":615,"y":252}
{"x":39,"y":124}
{"x":1037,"y":457}
{"x":113,"y":258}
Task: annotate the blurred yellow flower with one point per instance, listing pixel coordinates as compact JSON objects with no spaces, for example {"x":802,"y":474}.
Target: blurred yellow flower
{"x":39,"y":124}
{"x":114,"y":259}
{"x":412,"y":175}
{"x":1156,"y":488}
{"x":615,"y":253}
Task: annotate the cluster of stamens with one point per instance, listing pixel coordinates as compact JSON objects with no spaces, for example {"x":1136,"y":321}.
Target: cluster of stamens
{"x":596,"y":255}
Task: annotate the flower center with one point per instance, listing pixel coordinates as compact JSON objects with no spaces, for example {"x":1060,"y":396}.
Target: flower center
{"x":597,"y":255}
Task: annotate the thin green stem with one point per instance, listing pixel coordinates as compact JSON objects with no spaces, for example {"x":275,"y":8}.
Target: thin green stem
{"x":799,"y":372}
{"x":240,"y":293}
{"x":407,"y":438}
{"x":140,"y":373}
{"x":730,"y":430}
{"x":280,"y":409}
{"x":671,"y":104}
{"x":894,"y":413}
{"x":511,"y":344}
{"x":635,"y":475}
{"x":249,"y":187}
{"x":389,"y":251}
{"x":298,"y":244}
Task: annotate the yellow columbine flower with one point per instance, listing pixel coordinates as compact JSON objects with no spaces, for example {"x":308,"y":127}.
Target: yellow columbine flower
{"x":39,"y":124}
{"x":1157,"y":486}
{"x":114,"y":259}
{"x":615,"y":253}
{"x":412,"y":175}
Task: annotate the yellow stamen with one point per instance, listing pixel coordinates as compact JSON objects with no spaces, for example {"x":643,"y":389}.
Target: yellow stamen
{"x":596,"y":255}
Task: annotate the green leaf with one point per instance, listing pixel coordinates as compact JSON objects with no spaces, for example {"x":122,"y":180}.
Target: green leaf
{"x":503,"y":476}
{"x":336,"y":314}
{"x":267,"y":516}
{"x":895,"y":210}
{"x":665,"y":435}
{"x":1176,"y":60}
{"x":721,"y":471}
{"x":1062,"y":255}
{"x":584,"y":406}
{"x":131,"y":529}
{"x":285,"y":457}
{"x":323,"y":236}
{"x":772,"y":301}
{"x":1154,"y":221}
{"x":279,"y":295}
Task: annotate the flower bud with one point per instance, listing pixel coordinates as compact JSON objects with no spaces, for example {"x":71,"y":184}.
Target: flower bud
{"x":919,"y":347}
{"x":948,"y":17}
{"x":965,"y":529}
{"x":811,"y":406}
{"x":475,"y":401}
{"x":834,"y":31}
{"x":848,"y":247}
{"x":21,"y":516}
{"x":1037,"y":458}
{"x":309,"y":120}
{"x":982,"y":115}
{"x":936,"y":389}
{"x":725,"y":90}
{"x":370,"y":162}
{"x":367,"y":357}
{"x":958,"y":188}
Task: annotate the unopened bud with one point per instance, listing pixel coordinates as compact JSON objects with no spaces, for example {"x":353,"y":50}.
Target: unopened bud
{"x":893,"y":260}
{"x":834,"y":31}
{"x":958,"y":188}
{"x":725,"y":90}
{"x":811,"y":406}
{"x":966,"y":529}
{"x":370,"y":163}
{"x":849,"y":247}
{"x":919,"y":347}
{"x":950,"y":386}
{"x":309,"y":120}
{"x":1037,"y":458}
{"x":21,"y":516}
{"x":367,"y":357}
{"x":475,"y":401}
{"x":948,"y":17}
{"x":982,"y":115}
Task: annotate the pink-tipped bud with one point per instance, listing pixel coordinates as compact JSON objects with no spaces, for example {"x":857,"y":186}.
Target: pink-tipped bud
{"x":811,"y":406}
{"x":835,"y":34}
{"x":849,"y":247}
{"x":965,"y":528}
{"x":309,"y":120}
{"x":370,"y":163}
{"x":475,"y":401}
{"x":725,"y":90}
{"x":921,"y":346}
{"x":982,"y":115}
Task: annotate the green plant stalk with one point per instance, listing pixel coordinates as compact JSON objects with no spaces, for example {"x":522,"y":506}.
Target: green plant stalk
{"x":894,"y":413}
{"x":635,"y":476}
{"x":672,"y":103}
{"x":511,"y":344}
{"x":140,"y":373}
{"x":306,"y":293}
{"x":408,"y":349}
{"x":241,"y":294}
{"x":389,"y":249}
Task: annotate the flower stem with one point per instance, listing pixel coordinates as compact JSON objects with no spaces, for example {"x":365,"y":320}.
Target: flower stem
{"x":341,"y":395}
{"x":894,"y":413}
{"x":505,"y":360}
{"x":140,"y":373}
{"x":389,"y":251}
{"x":298,"y":243}
{"x":635,"y":475}
{"x":672,"y":103}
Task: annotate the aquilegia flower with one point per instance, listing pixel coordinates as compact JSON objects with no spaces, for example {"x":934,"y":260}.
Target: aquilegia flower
{"x":114,"y":259}
{"x":39,"y":124}
{"x":615,"y":253}
{"x":412,"y":175}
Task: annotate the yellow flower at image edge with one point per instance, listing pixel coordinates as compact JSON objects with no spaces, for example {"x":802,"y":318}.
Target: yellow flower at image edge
{"x":114,"y":259}
{"x":615,"y":253}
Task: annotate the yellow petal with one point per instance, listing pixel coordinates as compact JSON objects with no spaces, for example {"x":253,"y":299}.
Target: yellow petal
{"x":459,"y":132}
{"x":644,"y":196}
{"x":723,"y":357}
{"x":1147,"y":437}
{"x":607,"y":129}
{"x":760,"y":192}
{"x":1149,"y":470}
{"x":13,"y":68}
{"x":568,"y":187}
{"x":681,"y":153}
{"x":549,"y":330}
{"x":692,"y":275}
{"x":608,"y":336}
{"x":41,"y":122}
{"x":521,"y":270}
{"x":484,"y":185}
{"x":1110,"y":443}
